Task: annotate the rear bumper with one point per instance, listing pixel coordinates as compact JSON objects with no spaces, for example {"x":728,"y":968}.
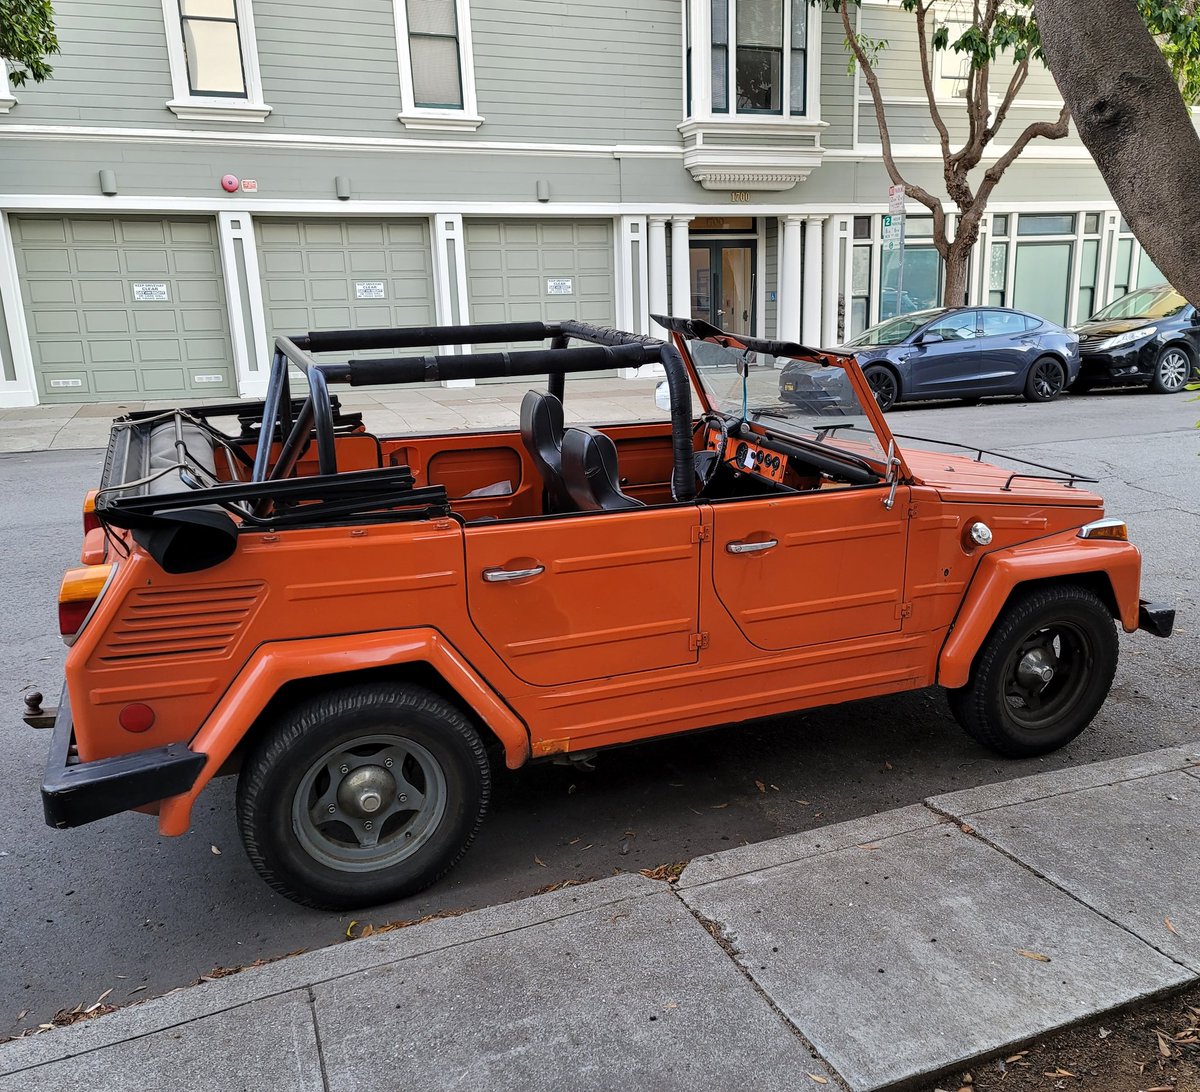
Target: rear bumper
{"x":1156,"y":618}
{"x":74,"y":793}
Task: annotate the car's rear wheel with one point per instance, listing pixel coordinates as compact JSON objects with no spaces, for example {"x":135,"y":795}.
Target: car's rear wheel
{"x":1046,"y":380}
{"x":1042,"y":674}
{"x":884,"y":385}
{"x":1171,"y":370}
{"x":362,"y":795}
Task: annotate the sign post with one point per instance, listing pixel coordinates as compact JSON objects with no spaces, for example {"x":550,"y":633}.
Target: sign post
{"x":893,"y":238}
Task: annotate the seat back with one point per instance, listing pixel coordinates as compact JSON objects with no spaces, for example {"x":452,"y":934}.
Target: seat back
{"x":589,"y":466}
{"x":542,"y":435}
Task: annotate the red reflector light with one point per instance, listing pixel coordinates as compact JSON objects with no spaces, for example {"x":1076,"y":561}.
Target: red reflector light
{"x":136,"y":717}
{"x":71,"y":617}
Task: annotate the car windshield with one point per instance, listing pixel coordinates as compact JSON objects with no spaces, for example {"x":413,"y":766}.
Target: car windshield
{"x":790,"y":397}
{"x":1147,"y":303}
{"x":894,"y":330}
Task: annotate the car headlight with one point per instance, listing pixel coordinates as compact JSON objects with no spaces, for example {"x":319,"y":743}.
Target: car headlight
{"x":1127,"y":338}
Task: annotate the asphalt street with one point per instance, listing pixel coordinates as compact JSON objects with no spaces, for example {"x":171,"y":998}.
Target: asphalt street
{"x":113,"y":906}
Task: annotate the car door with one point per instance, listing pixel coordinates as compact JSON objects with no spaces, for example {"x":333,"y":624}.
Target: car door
{"x":569,"y":598}
{"x":1006,"y":349}
{"x":811,"y":568}
{"x":944,"y":358}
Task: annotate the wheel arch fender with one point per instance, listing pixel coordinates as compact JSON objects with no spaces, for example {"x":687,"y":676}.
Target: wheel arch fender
{"x":888,"y":366}
{"x":1109,"y":568}
{"x":276,"y":665}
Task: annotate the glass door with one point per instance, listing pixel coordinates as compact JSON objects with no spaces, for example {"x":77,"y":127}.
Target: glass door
{"x":723,"y":288}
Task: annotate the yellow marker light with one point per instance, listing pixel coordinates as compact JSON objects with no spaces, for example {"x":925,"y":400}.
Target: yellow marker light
{"x":78,"y":594}
{"x":1111,"y":529}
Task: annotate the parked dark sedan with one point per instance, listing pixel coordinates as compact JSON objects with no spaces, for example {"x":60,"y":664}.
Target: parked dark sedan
{"x":1150,"y":337}
{"x":962,"y":352}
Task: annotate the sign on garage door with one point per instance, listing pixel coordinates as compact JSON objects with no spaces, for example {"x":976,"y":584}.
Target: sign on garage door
{"x":124,"y":308}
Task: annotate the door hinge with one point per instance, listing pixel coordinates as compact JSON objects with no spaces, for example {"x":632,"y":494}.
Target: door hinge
{"x":904,"y":610}
{"x":697,"y":641}
{"x":701,"y":533}
{"x":912,"y":511}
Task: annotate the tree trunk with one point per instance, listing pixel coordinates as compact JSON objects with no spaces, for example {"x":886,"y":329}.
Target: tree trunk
{"x":957,"y":266}
{"x":1131,"y":116}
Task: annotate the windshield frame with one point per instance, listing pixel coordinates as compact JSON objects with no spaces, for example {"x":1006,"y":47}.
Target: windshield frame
{"x":925,"y":317}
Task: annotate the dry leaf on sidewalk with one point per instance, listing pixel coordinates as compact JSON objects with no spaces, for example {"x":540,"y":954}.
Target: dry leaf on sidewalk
{"x":818,"y":1078}
{"x":868,"y":845}
{"x":1032,"y":955}
{"x":966,"y":828}
{"x":1164,"y":1048}
{"x":538,"y":860}
{"x":1170,"y":926}
{"x":761,"y":786}
{"x":1059,"y":1073}
{"x":216,"y":851}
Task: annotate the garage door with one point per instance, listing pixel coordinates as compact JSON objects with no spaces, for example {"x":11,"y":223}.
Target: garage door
{"x":547,"y":270}
{"x":124,"y":308}
{"x":345,"y":274}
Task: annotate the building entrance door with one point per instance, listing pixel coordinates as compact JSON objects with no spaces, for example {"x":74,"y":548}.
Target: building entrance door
{"x":723,"y":288}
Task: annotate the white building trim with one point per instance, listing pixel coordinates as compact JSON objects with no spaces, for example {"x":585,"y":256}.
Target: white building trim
{"x":413,"y":116}
{"x":7,"y":99}
{"x":232,"y":108}
{"x":450,"y":304}
{"x":251,"y":356}
{"x":22,"y":389}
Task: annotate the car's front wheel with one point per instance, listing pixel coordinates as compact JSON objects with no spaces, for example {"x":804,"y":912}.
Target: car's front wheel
{"x":1171,"y":370}
{"x":1042,"y":674}
{"x":362,"y":795}
{"x":1046,"y":380}
{"x":883,"y":384}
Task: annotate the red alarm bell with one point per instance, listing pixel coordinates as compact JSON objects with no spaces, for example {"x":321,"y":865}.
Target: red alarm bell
{"x":229,"y":183}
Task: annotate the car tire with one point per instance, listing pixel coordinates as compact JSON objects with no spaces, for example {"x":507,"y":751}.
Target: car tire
{"x":1172,"y":370}
{"x":884,"y":385}
{"x":321,"y":795}
{"x":1047,"y":379}
{"x":1082,"y":385}
{"x":1006,"y":705}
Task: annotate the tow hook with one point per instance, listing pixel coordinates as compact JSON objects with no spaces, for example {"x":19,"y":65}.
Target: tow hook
{"x":35,"y":716}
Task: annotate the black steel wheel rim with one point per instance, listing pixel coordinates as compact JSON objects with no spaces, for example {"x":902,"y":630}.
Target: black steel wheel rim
{"x":1047,"y":379}
{"x":883,"y":386}
{"x":1047,"y":673}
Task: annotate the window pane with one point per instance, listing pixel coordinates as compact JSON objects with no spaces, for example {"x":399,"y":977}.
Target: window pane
{"x":1091,"y":223}
{"x":999,"y":225}
{"x":1121,"y":273}
{"x":858,"y":316}
{"x":918,"y":227}
{"x":214,"y":9}
{"x":720,"y":22}
{"x":760,"y":23}
{"x":720,"y":78}
{"x":214,"y":58}
{"x":862,"y":227}
{"x":1002,"y":322}
{"x":1087,"y":263}
{"x":996,"y":299}
{"x":998,"y":267}
{"x":1042,"y":279}
{"x":435,"y":72}
{"x":920,"y":286}
{"x":1045,"y":225}
{"x":1086,"y":303}
{"x":432,"y":17}
{"x":799,"y":24}
{"x":797,"y":97}
{"x":957,"y":327}
{"x":759,"y":79}
{"x":1148,"y":272}
{"x":860,"y":273}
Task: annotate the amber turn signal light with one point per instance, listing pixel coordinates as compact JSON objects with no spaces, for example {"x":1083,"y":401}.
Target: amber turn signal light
{"x":1113,"y":529}
{"x":77,"y":596}
{"x":90,"y":520}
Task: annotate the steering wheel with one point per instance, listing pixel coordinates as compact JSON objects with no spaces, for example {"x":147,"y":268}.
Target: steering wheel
{"x":707,"y":461}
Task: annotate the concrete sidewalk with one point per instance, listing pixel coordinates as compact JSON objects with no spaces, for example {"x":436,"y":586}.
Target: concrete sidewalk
{"x":863,"y":955}
{"x":386,"y":411}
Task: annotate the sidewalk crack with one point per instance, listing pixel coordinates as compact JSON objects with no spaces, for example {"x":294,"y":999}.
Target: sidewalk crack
{"x":312,"y":1008}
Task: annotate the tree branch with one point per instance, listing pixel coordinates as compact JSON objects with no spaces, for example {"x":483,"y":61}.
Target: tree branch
{"x":1051,"y":130}
{"x":1014,"y":87}
{"x":927,"y":78}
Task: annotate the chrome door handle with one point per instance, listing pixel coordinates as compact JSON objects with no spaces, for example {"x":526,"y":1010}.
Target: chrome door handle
{"x":750,"y":547}
{"x":499,"y":576}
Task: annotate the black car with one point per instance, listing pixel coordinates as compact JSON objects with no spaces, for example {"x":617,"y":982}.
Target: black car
{"x":1149,"y":337}
{"x":960,"y":352}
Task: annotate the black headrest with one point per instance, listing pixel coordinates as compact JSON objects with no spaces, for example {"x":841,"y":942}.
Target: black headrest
{"x":590,"y":472}
{"x":542,"y":418}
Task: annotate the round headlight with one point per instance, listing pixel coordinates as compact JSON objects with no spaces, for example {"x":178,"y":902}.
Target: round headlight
{"x":980,"y":533}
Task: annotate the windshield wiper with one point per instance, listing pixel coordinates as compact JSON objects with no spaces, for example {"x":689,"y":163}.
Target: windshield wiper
{"x":782,"y":414}
{"x":824,"y":430}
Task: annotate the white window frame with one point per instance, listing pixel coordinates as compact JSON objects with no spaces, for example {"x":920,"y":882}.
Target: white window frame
{"x":188,"y":107}
{"x":413,"y":116}
{"x":701,"y":27}
{"x":950,"y":85}
{"x":7,"y":99}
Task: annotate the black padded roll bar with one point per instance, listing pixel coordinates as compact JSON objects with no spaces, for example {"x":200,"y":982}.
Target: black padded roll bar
{"x":430,"y":369}
{"x":325,"y":341}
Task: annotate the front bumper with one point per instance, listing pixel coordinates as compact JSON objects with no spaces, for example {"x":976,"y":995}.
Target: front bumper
{"x":74,"y":792}
{"x":1156,"y":618}
{"x":1127,"y":364}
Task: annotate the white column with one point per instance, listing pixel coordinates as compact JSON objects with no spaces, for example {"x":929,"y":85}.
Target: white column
{"x":450,"y":303}
{"x":810,"y":329}
{"x":681,"y":268}
{"x":21,"y":390}
{"x":829,"y":316}
{"x":656,"y":256}
{"x":791,"y":227}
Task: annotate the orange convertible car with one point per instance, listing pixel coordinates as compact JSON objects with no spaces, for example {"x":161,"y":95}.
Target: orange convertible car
{"x":359,"y":625}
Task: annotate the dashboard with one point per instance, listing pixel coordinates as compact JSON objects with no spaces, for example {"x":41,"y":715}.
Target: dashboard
{"x":749,"y":457}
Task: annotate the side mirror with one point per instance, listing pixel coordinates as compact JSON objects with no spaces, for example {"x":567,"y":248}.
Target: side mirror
{"x":662,"y":396}
{"x":929,"y":339}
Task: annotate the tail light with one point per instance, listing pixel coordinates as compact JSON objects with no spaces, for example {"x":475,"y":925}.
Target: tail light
{"x":90,"y":520}
{"x":81,"y":590}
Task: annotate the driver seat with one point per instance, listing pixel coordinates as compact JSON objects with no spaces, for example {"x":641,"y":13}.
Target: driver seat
{"x":542,"y":435}
{"x":589,"y":464}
